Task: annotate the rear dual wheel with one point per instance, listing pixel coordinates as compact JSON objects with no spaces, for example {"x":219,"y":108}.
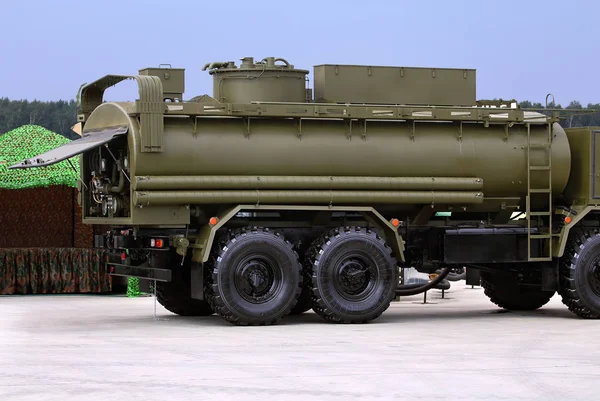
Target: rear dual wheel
{"x":176,"y":295}
{"x":352,"y":274}
{"x":255,"y":277}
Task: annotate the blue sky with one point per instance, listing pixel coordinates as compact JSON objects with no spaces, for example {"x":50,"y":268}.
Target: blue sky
{"x":521,"y":49}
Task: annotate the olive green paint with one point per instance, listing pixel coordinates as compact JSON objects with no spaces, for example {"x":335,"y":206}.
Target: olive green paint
{"x":583,"y":188}
{"x":264,"y":81}
{"x":306,"y":182}
{"x":151,"y":198}
{"x":394,"y":85}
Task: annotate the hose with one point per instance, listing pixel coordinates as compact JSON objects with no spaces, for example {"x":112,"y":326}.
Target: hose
{"x":455,"y":276}
{"x":444,"y":285}
{"x":407,"y":290}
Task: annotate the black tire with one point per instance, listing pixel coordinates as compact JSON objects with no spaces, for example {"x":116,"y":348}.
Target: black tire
{"x":367,"y":279}
{"x":457,"y":274}
{"x":269,"y":260}
{"x":175,"y":296}
{"x":580,"y":274}
{"x":504,"y":290}
{"x":304,"y":303}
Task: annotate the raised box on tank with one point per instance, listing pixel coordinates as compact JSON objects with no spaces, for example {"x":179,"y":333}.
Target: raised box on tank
{"x":336,"y":83}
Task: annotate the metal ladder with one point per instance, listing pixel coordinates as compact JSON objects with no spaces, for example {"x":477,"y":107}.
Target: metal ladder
{"x":546,"y":236}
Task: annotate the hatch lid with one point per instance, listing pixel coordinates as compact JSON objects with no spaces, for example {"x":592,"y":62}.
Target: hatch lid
{"x":90,"y":140}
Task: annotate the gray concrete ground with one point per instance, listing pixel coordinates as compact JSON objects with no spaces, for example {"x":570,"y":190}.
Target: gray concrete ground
{"x":74,"y":347}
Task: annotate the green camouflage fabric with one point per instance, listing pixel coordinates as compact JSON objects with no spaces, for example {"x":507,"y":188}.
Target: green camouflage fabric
{"x":53,"y":271}
{"x":28,"y":141}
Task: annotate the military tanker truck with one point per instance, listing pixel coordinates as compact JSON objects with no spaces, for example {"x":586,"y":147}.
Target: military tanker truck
{"x":271,"y":198}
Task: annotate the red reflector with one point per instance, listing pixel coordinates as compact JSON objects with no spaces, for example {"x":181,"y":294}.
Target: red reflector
{"x":123,"y":256}
{"x":159,"y":243}
{"x":112,"y":269}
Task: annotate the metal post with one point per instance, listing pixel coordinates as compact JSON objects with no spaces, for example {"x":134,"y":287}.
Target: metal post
{"x":154,"y":290}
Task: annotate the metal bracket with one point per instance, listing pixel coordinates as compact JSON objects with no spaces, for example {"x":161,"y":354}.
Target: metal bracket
{"x":364,"y":130}
{"x":460,"y":131}
{"x":349,"y":129}
{"x":247,"y":126}
{"x":412,"y":127}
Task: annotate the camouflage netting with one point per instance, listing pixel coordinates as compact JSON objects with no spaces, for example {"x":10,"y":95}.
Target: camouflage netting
{"x":53,"y":271}
{"x":28,"y":141}
{"x":44,"y":247}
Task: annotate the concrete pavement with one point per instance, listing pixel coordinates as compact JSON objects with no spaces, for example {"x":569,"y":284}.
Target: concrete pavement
{"x":92,"y":347}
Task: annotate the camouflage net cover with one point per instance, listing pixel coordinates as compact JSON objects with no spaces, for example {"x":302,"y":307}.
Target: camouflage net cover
{"x":28,"y":141}
{"x":53,"y":271}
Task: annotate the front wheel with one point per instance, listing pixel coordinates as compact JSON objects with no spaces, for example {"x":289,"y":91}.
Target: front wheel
{"x":580,"y":274}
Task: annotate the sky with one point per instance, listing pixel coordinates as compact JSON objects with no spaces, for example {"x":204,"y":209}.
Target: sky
{"x":520,"y":49}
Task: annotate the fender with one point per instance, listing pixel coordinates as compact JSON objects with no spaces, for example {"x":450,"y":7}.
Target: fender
{"x":206,"y":237}
{"x":563,"y":236}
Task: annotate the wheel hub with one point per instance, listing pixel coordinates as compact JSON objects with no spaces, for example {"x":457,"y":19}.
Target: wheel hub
{"x":354,"y":276}
{"x":256,"y":278}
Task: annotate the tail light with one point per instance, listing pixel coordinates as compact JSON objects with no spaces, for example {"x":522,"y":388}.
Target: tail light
{"x":157,"y":243}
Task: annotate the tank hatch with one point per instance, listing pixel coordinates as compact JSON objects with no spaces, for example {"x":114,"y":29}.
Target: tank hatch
{"x":268,"y":80}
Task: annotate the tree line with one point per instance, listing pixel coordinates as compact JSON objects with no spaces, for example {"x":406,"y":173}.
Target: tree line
{"x":59,"y":116}
{"x":56,"y":116}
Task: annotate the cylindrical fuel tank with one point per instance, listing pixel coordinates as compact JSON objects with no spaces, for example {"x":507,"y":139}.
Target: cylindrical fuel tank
{"x":324,"y":147}
{"x":265,"y":81}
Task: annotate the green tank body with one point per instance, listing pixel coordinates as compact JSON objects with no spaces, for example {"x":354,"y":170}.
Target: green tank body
{"x":222,"y":147}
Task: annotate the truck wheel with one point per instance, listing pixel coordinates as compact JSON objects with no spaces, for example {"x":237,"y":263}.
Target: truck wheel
{"x":504,"y":291}
{"x":580,"y":274}
{"x":256,"y":278}
{"x":176,"y":296}
{"x":304,"y":302}
{"x":353,"y":274}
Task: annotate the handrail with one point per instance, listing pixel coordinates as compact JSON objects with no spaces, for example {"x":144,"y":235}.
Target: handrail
{"x":150,"y":106}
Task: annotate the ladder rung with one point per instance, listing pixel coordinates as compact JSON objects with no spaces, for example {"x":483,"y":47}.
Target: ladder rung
{"x":540,"y":191}
{"x":539,"y":168}
{"x":540,"y":214}
{"x":540,"y":236}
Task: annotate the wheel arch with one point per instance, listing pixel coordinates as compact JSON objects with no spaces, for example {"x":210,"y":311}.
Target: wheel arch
{"x":582,"y":213}
{"x":207,"y":234}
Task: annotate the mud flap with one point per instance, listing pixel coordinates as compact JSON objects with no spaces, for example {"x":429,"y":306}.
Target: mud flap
{"x":473,"y":276}
{"x":90,"y":140}
{"x":197,"y":280}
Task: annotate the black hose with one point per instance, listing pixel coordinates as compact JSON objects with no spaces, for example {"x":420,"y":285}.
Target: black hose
{"x":457,"y":277}
{"x":425,"y":287}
